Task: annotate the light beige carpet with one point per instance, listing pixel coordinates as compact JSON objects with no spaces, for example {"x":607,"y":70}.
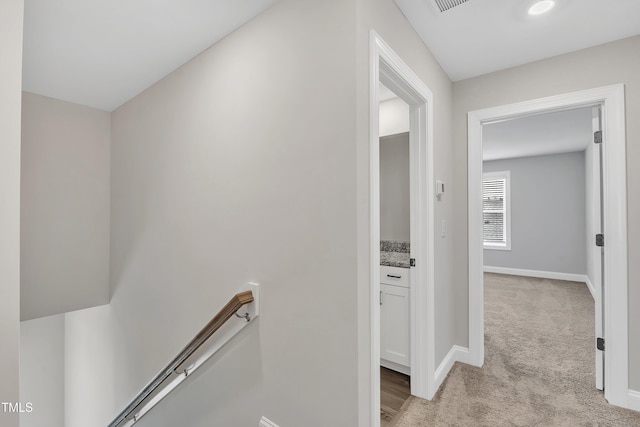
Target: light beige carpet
{"x":539,"y":364}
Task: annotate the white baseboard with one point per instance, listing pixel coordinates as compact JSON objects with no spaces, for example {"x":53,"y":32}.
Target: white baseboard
{"x":264,"y":422}
{"x":590,"y":286}
{"x":395,"y":367}
{"x":634,"y":400}
{"x":456,"y":354}
{"x":537,"y":273}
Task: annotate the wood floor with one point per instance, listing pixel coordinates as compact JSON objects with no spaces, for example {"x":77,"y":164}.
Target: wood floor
{"x":394,"y":390}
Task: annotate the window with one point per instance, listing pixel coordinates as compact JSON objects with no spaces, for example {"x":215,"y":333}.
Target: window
{"x":496,"y":215}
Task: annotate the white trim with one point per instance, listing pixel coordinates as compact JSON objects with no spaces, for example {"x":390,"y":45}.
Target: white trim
{"x":264,"y":422}
{"x":374,"y":222}
{"x":496,"y":247}
{"x":387,"y":67}
{"x":395,"y":366}
{"x":572,"y":277}
{"x":611,"y":98}
{"x":456,"y":354}
{"x":592,"y":290}
{"x":476,"y":242}
{"x":506,"y":175}
{"x":634,"y":400}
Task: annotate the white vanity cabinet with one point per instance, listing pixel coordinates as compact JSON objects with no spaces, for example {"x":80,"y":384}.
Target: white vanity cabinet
{"x":394,"y":318}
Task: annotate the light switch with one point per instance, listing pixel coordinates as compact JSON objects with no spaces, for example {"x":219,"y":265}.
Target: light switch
{"x":439,"y":188}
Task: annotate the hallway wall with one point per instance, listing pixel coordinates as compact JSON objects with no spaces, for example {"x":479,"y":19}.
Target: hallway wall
{"x":11,"y":17}
{"x":64,"y":207}
{"x":42,"y":371}
{"x":394,"y":188}
{"x":239,"y":167}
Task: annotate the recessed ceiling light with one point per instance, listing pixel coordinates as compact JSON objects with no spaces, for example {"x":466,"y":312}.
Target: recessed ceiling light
{"x":541,"y":7}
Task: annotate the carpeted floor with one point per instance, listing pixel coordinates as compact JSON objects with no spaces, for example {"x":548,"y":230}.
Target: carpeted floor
{"x":539,"y":364}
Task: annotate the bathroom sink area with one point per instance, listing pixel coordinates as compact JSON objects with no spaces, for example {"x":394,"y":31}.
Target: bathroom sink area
{"x":395,"y":254}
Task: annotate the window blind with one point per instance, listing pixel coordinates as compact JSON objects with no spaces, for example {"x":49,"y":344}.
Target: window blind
{"x":494,"y":210}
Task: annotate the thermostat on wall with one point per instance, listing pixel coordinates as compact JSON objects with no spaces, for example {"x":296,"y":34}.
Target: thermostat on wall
{"x":439,"y":188}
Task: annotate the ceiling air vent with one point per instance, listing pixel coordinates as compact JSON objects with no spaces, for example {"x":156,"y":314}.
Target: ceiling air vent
{"x":444,"y":5}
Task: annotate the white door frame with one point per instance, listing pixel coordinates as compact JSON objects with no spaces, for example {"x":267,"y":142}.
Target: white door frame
{"x":387,"y":67}
{"x":615,"y":224}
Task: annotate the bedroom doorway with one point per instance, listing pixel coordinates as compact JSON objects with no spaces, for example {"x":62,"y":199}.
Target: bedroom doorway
{"x":541,"y":213}
{"x":614,"y":293}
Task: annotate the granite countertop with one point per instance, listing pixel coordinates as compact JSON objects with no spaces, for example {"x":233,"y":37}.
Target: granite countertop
{"x":394,"y":254}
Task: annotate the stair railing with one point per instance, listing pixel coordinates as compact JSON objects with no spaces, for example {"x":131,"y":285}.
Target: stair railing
{"x":178,"y":370}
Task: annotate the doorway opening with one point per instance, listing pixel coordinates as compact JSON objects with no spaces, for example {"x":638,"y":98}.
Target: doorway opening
{"x":541,"y":213}
{"x":613,"y":316}
{"x":417,"y":294}
{"x":395,"y":253}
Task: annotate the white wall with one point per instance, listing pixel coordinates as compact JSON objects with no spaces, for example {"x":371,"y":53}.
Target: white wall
{"x":42,"y":371}
{"x":238,"y":167}
{"x":65,"y":206}
{"x":70,"y":367}
{"x":561,"y":74}
{"x":91,"y":367}
{"x":394,"y":188}
{"x":548,"y":218}
{"x":385,"y":18}
{"x":394,"y":117}
{"x":11,"y":15}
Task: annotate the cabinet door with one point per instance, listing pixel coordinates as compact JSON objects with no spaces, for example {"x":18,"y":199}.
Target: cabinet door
{"x":394,"y":324}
